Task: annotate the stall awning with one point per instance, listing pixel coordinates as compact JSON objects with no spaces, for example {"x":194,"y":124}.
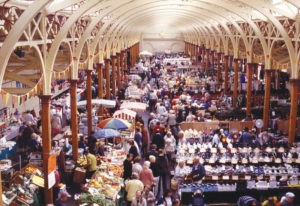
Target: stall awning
{"x":104,"y":102}
{"x":125,"y":114}
{"x":135,"y":106}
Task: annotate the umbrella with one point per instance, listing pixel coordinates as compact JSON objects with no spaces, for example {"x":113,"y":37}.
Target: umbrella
{"x":106,"y":133}
{"x":114,"y":123}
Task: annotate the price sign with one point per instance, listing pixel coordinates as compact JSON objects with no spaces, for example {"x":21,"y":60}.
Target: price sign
{"x":226,"y":177}
{"x":215,"y":178}
{"x":235,"y":177}
{"x":247,"y":177}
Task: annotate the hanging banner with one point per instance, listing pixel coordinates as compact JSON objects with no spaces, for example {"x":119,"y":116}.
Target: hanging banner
{"x":6,"y":98}
{"x":18,"y":98}
{"x":23,"y":99}
{"x":2,"y":93}
{"x":13,"y":99}
{"x":40,"y":85}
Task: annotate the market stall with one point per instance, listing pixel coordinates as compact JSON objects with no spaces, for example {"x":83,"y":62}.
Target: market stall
{"x":7,"y":148}
{"x":212,"y":125}
{"x":235,"y":169}
{"x":104,"y":188}
{"x":104,"y":102}
{"x":135,"y":106}
{"x":134,"y":92}
{"x":24,"y":187}
{"x":126,"y":114}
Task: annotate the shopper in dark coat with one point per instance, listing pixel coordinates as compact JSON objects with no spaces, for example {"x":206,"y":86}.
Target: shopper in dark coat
{"x":163,"y":169}
{"x":158,"y":140}
{"x":127,"y":164}
{"x":152,"y":151}
{"x":92,"y":140}
{"x":133,"y":150}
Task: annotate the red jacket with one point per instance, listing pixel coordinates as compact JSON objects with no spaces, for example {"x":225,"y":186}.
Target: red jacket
{"x":146,"y":176}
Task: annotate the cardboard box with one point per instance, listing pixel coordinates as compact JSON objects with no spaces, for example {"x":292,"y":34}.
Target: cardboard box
{"x":79,"y":175}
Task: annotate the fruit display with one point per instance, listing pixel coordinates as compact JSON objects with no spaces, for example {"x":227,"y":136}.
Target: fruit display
{"x":103,"y":184}
{"x":82,"y":161}
{"x":116,"y":170}
{"x":95,"y":199}
{"x":30,"y":169}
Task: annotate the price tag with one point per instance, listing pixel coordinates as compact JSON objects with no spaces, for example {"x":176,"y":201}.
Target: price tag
{"x":215,"y":178}
{"x":247,"y":177}
{"x":235,"y":177}
{"x":226,"y":177}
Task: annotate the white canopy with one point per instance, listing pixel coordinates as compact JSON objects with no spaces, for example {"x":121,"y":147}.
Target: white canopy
{"x":105,"y":102}
{"x":125,"y":114}
{"x":145,"y":53}
{"x":135,"y":106}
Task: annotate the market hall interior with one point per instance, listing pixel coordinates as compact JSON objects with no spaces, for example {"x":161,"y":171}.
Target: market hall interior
{"x":47,"y":46}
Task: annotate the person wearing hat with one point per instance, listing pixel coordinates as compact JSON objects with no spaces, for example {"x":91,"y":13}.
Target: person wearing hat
{"x":246,"y":201}
{"x":288,"y":199}
{"x":132,"y":187}
{"x":62,"y":199}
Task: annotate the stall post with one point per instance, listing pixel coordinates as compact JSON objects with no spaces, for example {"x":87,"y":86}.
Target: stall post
{"x":100,"y":86}
{"x":89,"y":101}
{"x":267,"y":98}
{"x":203,"y":59}
{"x":113,"y":71}
{"x":124,"y":65}
{"x":0,"y":188}
{"x":207,"y":61}
{"x":218,"y":67}
{"x":119,"y":71}
{"x":213,"y":59}
{"x":199,"y":54}
{"x":293,"y":110}
{"x":196,"y":54}
{"x":230,"y":61}
{"x":107,"y":77}
{"x":226,"y":58}
{"x":250,"y":68}
{"x":46,"y":141}
{"x":74,"y":121}
{"x":235,"y":84}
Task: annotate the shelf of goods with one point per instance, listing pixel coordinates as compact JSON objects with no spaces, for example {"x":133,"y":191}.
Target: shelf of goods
{"x":23,"y":187}
{"x":7,"y":148}
{"x":104,"y":188}
{"x":240,"y":169}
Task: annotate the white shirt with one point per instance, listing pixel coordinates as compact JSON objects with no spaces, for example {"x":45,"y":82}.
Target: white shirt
{"x":137,"y":167}
{"x":28,"y":117}
{"x":180,"y":171}
{"x":168,"y":201}
{"x":161,"y":109}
